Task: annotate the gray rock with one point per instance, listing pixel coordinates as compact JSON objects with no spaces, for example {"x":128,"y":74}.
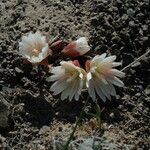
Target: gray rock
{"x":147,"y":90}
{"x":130,"y":12}
{"x":4,"y":111}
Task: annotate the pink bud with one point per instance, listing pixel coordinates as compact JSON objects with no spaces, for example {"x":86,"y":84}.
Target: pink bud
{"x":57,"y":45}
{"x":76,"y":48}
{"x":70,"y":50}
{"x":76,"y":63}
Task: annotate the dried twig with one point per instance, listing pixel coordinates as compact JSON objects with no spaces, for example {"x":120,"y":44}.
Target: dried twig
{"x":138,"y":109}
{"x":137,"y":60}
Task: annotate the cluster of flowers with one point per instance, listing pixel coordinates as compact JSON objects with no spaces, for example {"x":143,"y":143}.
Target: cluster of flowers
{"x":98,"y":76}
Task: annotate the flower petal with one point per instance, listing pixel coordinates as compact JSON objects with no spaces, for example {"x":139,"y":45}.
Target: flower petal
{"x":82,"y":45}
{"x":110,"y":59}
{"x":61,"y":87}
{"x":115,"y":64}
{"x":65,"y":93}
{"x":74,"y":89}
{"x":91,"y":90}
{"x":56,"y":84}
{"x":99,"y":57}
{"x":116,"y":82}
{"x":112,"y":89}
{"x":98,"y":89}
{"x":105,"y":89}
{"x":118,"y":73}
{"x":57,"y":70}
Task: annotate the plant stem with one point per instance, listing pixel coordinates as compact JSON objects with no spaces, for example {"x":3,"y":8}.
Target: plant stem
{"x":76,"y":125}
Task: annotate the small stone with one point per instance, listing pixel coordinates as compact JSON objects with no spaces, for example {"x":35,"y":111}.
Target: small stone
{"x":18,"y":70}
{"x":138,"y":94}
{"x":132,"y":24}
{"x":145,"y":27}
{"x":125,"y":17}
{"x":119,"y":3}
{"x":115,"y":39}
{"x":147,"y":90}
{"x":112,"y":115}
{"x":140,"y":16}
{"x":44,"y":130}
{"x":120,"y":107}
{"x":110,"y":126}
{"x":130,"y":12}
{"x":41,"y":147}
{"x":145,"y":38}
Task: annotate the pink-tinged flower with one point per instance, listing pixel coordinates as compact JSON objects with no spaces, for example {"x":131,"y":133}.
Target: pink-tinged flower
{"x":77,"y":48}
{"x":34,"y":47}
{"x":102,"y":77}
{"x":69,"y":79}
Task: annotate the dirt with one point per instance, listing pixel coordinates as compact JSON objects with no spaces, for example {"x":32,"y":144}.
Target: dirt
{"x":37,"y":119}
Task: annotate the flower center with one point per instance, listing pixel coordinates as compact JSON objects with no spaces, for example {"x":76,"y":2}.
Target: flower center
{"x":35,"y":52}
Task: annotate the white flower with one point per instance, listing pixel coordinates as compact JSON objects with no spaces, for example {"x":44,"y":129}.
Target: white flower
{"x":102,"y":77}
{"x":77,"y":48}
{"x":34,"y":47}
{"x":69,"y":79}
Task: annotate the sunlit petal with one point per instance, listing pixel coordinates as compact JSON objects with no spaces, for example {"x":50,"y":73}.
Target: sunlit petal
{"x":116,"y":81}
{"x":91,"y":89}
{"x":112,"y":90}
{"x":118,"y":73}
{"x":99,"y":91}
{"x":115,"y":64}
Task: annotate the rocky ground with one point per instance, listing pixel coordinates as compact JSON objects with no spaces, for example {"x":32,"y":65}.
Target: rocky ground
{"x":31,"y":118}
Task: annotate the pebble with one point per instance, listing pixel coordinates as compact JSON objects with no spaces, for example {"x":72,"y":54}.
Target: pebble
{"x":112,"y":115}
{"x":132,"y":24}
{"x":18,"y":70}
{"x":130,"y":12}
